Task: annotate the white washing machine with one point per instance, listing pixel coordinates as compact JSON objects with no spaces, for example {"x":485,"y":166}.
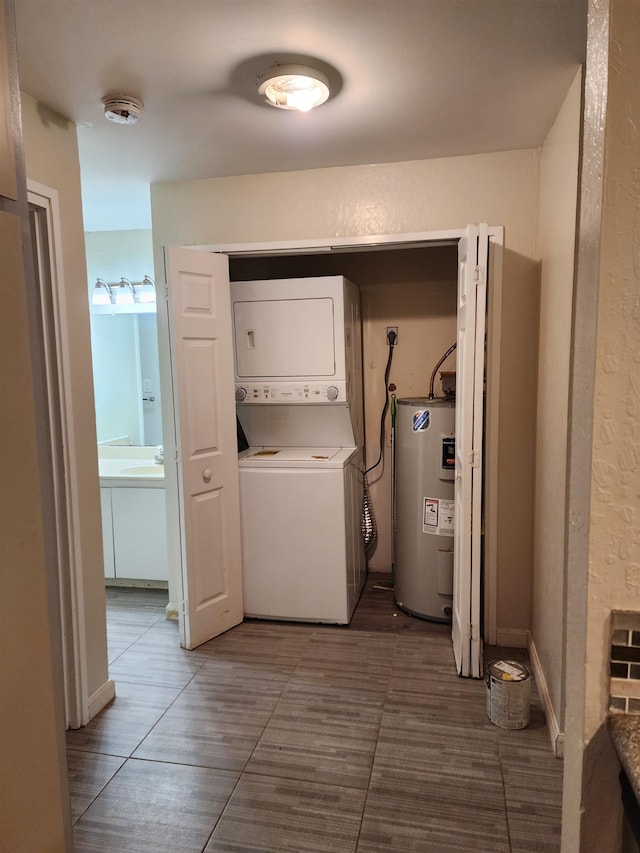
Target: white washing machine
{"x":299,"y":399}
{"x":302,"y":551}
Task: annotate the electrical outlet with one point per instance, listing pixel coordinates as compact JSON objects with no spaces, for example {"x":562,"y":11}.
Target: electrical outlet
{"x":392,"y":329}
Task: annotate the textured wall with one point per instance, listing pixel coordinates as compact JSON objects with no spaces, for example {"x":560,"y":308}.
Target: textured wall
{"x":614,"y":542}
{"x":604,"y":495}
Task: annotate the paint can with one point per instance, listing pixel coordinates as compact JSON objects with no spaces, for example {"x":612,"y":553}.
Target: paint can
{"x":508,"y":694}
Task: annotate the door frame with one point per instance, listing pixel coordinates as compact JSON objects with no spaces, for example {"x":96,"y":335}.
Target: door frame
{"x":50,"y":269}
{"x":387,"y":242}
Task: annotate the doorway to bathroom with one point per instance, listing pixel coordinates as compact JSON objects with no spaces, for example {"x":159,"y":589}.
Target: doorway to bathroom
{"x":128,"y":401}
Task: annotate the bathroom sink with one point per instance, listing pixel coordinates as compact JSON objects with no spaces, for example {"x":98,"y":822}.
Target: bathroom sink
{"x":123,"y":468}
{"x":150,"y":470}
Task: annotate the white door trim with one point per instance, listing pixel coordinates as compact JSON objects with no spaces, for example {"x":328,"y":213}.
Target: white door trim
{"x":74,"y":653}
{"x":329,"y":244}
{"x":414,"y":239}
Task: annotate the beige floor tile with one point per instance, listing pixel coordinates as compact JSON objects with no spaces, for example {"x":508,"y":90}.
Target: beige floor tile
{"x":88,"y":774}
{"x":279,"y":815}
{"x":123,"y":724}
{"x":150,"y":807}
{"x":281,"y":737}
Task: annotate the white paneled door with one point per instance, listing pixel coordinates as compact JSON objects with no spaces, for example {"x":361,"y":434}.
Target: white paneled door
{"x":470,"y":362}
{"x":203,"y":395}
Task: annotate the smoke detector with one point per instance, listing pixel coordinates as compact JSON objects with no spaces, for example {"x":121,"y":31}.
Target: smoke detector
{"x":122,"y":109}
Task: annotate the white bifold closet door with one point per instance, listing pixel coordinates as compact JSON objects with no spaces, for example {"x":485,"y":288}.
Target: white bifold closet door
{"x":201,"y":347}
{"x":470,"y":365}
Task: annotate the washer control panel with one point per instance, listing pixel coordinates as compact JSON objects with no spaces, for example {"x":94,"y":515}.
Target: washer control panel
{"x":291,"y":392}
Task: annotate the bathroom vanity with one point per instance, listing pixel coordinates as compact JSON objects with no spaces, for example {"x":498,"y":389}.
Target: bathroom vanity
{"x":132,"y":499}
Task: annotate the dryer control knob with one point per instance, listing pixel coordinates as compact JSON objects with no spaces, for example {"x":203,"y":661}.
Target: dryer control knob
{"x":241,"y":394}
{"x":332,"y":392}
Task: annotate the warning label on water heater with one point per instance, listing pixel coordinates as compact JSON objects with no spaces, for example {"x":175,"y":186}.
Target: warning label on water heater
{"x":421,"y":420}
{"x":438,"y":516}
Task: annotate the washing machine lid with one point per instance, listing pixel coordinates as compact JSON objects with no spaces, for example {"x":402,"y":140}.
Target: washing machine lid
{"x":291,"y":457}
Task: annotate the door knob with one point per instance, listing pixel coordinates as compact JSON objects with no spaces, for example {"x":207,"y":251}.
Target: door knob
{"x":207,"y":474}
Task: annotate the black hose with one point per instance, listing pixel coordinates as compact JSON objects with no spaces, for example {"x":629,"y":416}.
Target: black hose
{"x":391,"y":342}
{"x":435,"y":369}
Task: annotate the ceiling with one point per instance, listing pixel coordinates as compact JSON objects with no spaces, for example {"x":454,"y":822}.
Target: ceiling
{"x":414,"y":79}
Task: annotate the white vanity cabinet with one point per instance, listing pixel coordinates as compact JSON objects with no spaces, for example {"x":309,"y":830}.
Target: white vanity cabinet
{"x":107,"y":533}
{"x":137,"y":548}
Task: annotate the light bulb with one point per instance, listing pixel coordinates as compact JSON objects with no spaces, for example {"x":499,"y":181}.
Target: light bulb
{"x":146,"y":292}
{"x":294,"y":87}
{"x":124,"y":293}
{"x":101,"y":293}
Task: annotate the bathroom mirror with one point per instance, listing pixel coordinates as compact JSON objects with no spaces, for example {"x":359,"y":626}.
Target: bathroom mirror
{"x":124,"y":346}
{"x":126,"y":378}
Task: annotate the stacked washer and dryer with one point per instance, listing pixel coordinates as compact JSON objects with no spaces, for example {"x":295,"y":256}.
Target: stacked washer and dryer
{"x":298,"y":375}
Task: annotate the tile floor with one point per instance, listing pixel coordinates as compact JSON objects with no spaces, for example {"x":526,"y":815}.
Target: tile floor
{"x":285,"y":737}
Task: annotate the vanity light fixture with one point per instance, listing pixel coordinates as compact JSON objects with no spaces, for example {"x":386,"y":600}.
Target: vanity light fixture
{"x":293,"y":87}
{"x":102,"y":293}
{"x":124,"y":292}
{"x":145,"y":292}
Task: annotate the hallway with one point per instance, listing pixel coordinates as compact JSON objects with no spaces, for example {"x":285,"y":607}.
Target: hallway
{"x":289,"y":737}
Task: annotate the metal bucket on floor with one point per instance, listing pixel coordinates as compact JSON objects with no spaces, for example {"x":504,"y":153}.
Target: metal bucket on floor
{"x":508,"y":694}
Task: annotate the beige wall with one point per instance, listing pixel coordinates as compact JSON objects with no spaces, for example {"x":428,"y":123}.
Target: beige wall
{"x":430,"y":195}
{"x":556,"y":240}
{"x":392,"y":198}
{"x":51,"y":154}
{"x":31,"y":795}
{"x":34,"y":807}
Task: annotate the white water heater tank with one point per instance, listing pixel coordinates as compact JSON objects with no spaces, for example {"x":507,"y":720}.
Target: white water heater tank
{"x":425,"y":473}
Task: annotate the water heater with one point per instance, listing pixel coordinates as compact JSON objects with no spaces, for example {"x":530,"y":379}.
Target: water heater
{"x":425,"y":472}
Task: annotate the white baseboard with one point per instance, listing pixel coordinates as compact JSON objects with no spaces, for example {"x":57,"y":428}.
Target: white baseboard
{"x":514,"y":637}
{"x":137,"y":583}
{"x":172,"y":611}
{"x":557,"y":737}
{"x":101,"y":698}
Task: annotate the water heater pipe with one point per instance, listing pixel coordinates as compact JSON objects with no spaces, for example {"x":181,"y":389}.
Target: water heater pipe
{"x":435,"y":369}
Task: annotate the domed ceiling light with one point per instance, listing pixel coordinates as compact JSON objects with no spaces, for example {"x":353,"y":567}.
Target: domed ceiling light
{"x":293,"y":87}
{"x":122,"y":109}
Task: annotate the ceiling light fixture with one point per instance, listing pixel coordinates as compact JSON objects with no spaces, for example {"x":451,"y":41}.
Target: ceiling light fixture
{"x":293,"y":87}
{"x":122,"y":109}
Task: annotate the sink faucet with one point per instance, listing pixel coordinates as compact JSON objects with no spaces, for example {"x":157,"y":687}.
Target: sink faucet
{"x":159,"y":455}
